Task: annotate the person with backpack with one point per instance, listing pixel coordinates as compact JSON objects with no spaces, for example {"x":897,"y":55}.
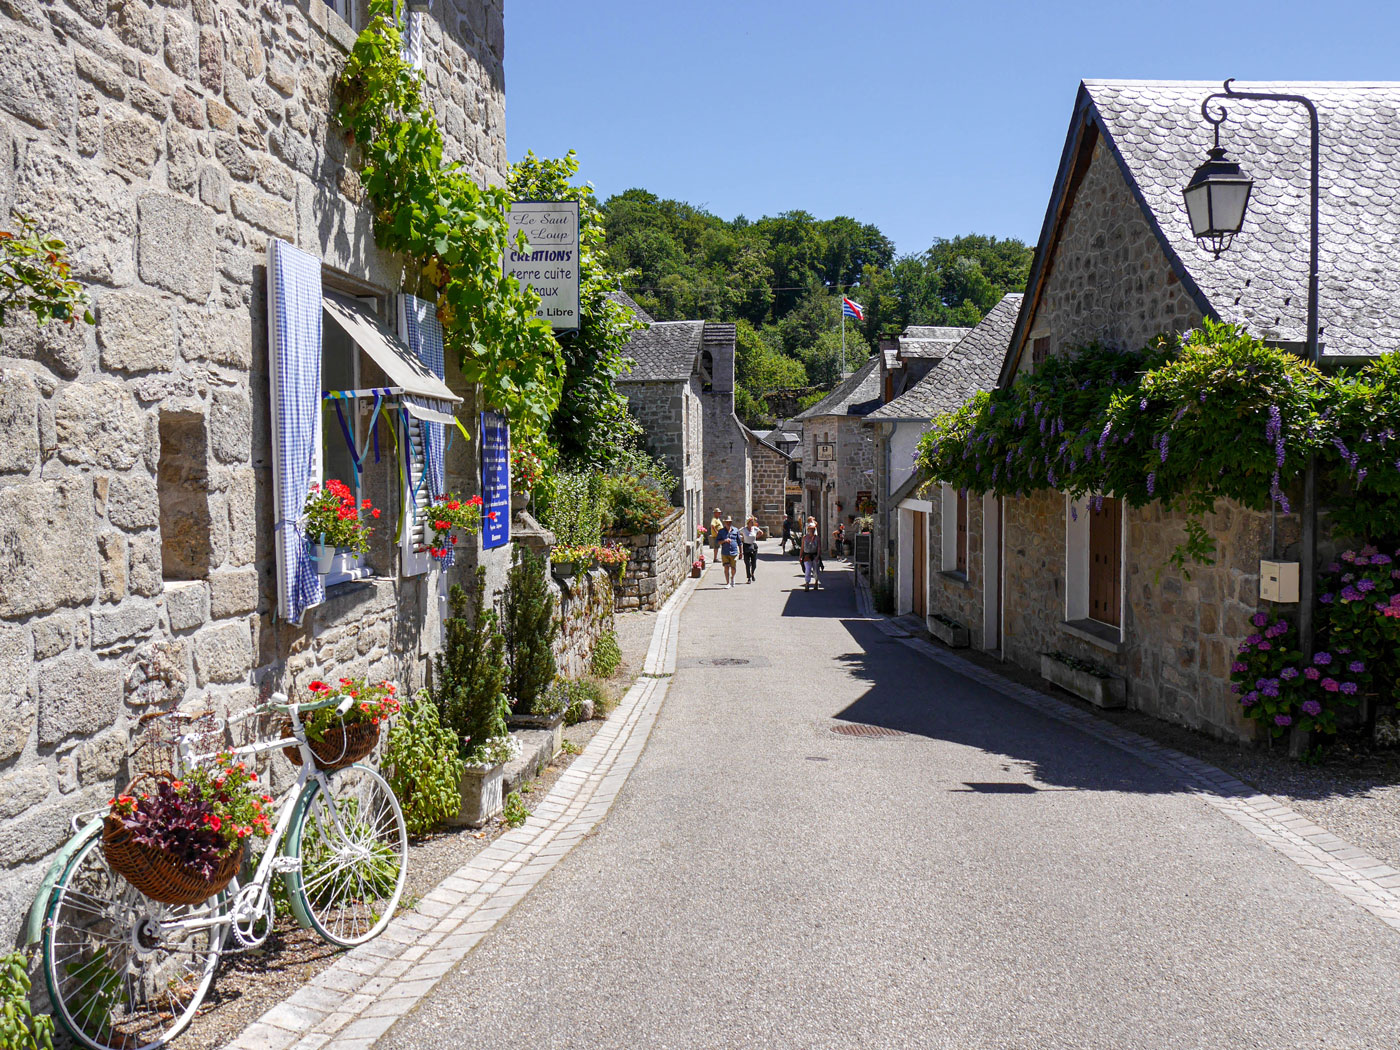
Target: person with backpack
{"x":811,"y":556}
{"x":728,"y":537}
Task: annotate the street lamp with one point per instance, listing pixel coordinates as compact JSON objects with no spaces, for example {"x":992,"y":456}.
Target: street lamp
{"x":1216,"y":198}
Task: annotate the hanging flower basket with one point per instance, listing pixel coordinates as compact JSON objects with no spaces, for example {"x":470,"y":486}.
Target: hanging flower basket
{"x":340,"y":739}
{"x":339,"y":747}
{"x":157,"y":874}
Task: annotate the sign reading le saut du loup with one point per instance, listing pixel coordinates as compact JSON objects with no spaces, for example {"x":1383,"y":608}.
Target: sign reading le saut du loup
{"x":550,"y":266}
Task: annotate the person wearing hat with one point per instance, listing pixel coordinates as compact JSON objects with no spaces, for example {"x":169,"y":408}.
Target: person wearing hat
{"x":728,"y":537}
{"x":715,"y":525}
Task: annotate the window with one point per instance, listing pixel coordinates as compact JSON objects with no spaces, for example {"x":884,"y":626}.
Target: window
{"x":1040,"y":350}
{"x":344,"y":8}
{"x":1094,"y":564}
{"x":953,"y":530}
{"x":413,"y":36}
{"x":182,"y":479}
{"x":343,"y":423}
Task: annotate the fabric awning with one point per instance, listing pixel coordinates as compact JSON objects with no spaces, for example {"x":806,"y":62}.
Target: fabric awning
{"x":425,"y":394}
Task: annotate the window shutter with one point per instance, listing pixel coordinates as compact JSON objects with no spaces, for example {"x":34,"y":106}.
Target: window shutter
{"x":424,"y":468}
{"x":413,"y":38}
{"x":294,"y":359}
{"x":1106,"y":562}
{"x":962,"y":532}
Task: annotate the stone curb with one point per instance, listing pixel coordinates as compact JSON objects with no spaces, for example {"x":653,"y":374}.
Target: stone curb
{"x":359,"y":997}
{"x":1350,"y":871}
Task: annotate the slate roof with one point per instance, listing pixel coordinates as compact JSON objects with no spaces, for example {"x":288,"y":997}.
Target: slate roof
{"x":626,"y":300}
{"x":1158,"y":136}
{"x":665,"y":350}
{"x":972,"y":366}
{"x":929,"y":341}
{"x":857,"y":395}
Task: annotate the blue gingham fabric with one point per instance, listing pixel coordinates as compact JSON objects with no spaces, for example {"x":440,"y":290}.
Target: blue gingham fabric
{"x":294,"y":335}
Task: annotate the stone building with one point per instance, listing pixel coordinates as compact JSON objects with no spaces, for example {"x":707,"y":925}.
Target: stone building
{"x":838,"y":452}
{"x":681,"y":390}
{"x":771,"y":473}
{"x":934,"y":572}
{"x":1116,"y":263}
{"x":149,"y":552}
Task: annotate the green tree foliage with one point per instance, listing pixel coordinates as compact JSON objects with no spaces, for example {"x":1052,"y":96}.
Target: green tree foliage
{"x":424,"y":766}
{"x":455,"y":230}
{"x":469,"y":686}
{"x":529,"y":629}
{"x":591,"y":420}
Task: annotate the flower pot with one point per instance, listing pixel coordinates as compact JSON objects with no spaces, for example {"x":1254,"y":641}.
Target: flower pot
{"x":1101,"y":692}
{"x":342,"y":746}
{"x":552,"y":722}
{"x":325,"y":558}
{"x":695,"y":571}
{"x":158,"y":876}
{"x":564,"y":569}
{"x":954,"y":636}
{"x":481,"y":795}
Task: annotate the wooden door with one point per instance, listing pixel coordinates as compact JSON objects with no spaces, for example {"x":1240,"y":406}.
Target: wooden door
{"x":920,"y":556}
{"x":1106,"y":562}
{"x":961,"y":555}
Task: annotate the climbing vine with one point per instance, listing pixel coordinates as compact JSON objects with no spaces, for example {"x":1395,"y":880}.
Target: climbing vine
{"x":35,"y":276}
{"x":1216,"y":415}
{"x":455,"y":230}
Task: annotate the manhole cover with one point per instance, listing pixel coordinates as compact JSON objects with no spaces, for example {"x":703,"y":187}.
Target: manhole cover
{"x":862,"y":730}
{"x":722,"y":661}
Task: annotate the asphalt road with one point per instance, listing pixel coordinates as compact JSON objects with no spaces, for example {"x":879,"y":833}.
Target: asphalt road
{"x":991,"y":879}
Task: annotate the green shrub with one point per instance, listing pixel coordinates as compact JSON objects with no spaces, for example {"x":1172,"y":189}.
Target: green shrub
{"x":424,"y":766}
{"x":882,"y":595}
{"x":20,"y":1027}
{"x":515,"y":812}
{"x":607,"y":655}
{"x":631,"y":505}
{"x":469,"y":687}
{"x":573,"y":511}
{"x":529,"y":628}
{"x":576,"y":694}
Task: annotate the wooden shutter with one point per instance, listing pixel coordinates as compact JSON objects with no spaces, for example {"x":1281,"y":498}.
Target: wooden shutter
{"x":1040,"y":350}
{"x":962,"y":533}
{"x":416,"y":519}
{"x":1105,"y":562}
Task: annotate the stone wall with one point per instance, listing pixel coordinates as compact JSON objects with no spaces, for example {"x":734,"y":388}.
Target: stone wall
{"x":167,"y":144}
{"x":585,"y":614}
{"x":956,"y":596}
{"x":657,"y":566}
{"x":1108,"y":279}
{"x":770,"y":471}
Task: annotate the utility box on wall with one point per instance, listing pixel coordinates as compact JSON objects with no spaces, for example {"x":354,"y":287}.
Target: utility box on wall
{"x":1278,"y":581}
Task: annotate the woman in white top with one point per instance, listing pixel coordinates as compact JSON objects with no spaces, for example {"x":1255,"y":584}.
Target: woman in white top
{"x":748,"y":537}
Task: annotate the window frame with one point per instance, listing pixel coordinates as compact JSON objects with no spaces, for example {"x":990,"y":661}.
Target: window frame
{"x":952,"y":560}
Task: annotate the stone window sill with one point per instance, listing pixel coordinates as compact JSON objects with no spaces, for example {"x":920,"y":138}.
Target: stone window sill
{"x":953,"y":576}
{"x":1095,"y":633}
{"x":320,"y":14}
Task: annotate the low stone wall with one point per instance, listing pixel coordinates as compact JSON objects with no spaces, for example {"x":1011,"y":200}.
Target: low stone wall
{"x":657,"y":566}
{"x":585,"y":613}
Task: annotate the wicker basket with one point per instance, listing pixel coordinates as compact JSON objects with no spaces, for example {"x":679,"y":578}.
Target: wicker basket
{"x":342,"y":746}
{"x":158,"y":876}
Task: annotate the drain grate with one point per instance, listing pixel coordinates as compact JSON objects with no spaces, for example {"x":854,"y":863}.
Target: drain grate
{"x":861,"y":729}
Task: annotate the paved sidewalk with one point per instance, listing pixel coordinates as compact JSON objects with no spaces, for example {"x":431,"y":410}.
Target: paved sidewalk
{"x":984,"y":873}
{"x":357,"y":999}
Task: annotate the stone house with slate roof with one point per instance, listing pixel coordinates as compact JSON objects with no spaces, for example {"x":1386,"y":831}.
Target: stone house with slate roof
{"x":940,"y":570}
{"x":142,"y":561}
{"x":838,"y":452}
{"x":681,"y":390}
{"x":1116,"y":262}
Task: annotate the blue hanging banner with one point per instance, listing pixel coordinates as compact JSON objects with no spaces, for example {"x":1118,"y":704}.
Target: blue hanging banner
{"x":495,"y":480}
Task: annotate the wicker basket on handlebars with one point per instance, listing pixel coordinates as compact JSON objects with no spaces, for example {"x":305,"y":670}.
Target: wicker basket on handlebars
{"x":156,"y":874}
{"x":339,"y":747}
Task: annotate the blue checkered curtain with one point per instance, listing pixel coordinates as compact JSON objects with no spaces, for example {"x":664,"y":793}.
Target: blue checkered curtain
{"x":423,"y":334}
{"x":294,"y":347}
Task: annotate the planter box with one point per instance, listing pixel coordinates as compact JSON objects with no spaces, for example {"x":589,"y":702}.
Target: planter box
{"x":954,"y":637}
{"x":553,"y":723}
{"x":1101,"y":692}
{"x":481,"y":792}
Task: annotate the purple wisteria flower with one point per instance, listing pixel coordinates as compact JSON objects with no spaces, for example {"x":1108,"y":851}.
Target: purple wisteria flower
{"x":1312,"y":707}
{"x":1151,"y":483}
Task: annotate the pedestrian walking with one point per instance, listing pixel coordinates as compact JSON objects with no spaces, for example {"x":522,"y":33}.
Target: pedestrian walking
{"x":787,"y":533}
{"x":729,"y":550}
{"x":838,"y":539}
{"x":811,"y":557}
{"x":715,"y":525}
{"x":748,"y":536}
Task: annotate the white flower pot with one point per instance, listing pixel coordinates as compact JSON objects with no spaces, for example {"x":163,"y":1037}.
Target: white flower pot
{"x":325,"y":558}
{"x":481,"y":795}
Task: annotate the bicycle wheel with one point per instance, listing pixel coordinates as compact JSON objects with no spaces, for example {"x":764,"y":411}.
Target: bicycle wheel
{"x":122,"y":973}
{"x":353,"y":846}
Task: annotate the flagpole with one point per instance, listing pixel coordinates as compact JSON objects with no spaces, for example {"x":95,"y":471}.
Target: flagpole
{"x":843,"y":338}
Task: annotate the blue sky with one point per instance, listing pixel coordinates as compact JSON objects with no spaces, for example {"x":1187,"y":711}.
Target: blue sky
{"x":928,"y":119}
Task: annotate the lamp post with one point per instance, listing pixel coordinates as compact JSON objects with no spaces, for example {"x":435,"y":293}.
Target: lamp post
{"x":1216,"y":199}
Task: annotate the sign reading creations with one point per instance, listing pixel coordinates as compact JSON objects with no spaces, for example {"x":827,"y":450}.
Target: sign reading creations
{"x":550,"y":266}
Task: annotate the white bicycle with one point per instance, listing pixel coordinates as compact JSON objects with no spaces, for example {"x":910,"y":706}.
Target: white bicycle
{"x":125,"y":972}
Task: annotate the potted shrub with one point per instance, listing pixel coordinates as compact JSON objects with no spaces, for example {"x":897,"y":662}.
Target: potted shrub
{"x":342,"y":734}
{"x":469,"y":691}
{"x":566,"y":560}
{"x":332,"y":523}
{"x":1083,"y":679}
{"x":529,"y":628}
{"x":182,"y":841}
{"x":613,"y":557}
{"x":449,"y":515}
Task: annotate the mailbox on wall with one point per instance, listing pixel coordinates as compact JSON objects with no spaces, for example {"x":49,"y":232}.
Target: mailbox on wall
{"x":1278,"y":581}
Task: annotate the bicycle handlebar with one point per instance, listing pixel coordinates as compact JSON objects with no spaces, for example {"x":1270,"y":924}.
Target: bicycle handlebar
{"x":287,"y":707}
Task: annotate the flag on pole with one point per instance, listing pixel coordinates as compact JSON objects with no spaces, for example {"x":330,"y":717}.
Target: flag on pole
{"x":851,"y":308}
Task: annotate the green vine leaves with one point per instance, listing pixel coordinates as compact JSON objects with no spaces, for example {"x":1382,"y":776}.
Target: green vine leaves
{"x":34,"y":276}
{"x":454,"y":229}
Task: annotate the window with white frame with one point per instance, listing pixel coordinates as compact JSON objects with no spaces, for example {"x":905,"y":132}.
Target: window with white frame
{"x":953,"y":529}
{"x":1094,"y":531}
